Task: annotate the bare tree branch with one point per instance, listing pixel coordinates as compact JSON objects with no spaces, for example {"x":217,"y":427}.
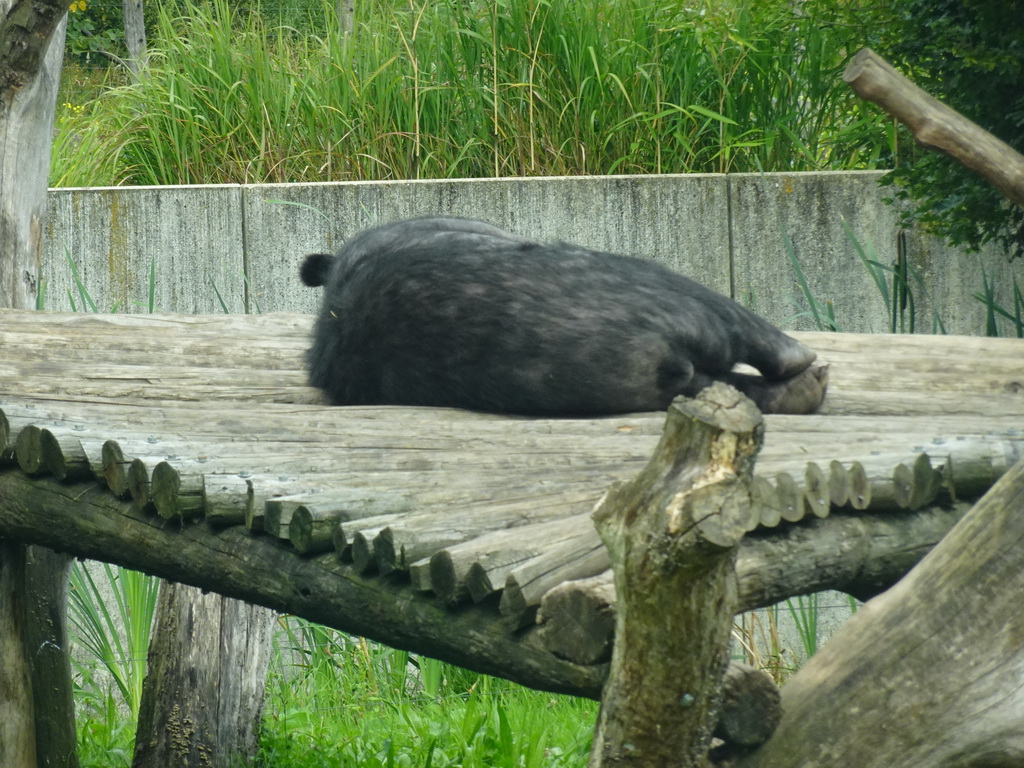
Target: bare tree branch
{"x":935,"y":125}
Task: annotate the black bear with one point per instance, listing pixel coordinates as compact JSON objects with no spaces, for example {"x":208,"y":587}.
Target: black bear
{"x":446,"y":311}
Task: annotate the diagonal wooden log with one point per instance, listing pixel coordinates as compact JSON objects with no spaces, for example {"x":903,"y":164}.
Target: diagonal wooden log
{"x":936,"y":125}
{"x":672,"y":533}
{"x":929,"y":672}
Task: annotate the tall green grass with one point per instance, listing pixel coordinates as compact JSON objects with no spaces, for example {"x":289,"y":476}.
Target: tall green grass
{"x":336,"y":700}
{"x":446,"y":88}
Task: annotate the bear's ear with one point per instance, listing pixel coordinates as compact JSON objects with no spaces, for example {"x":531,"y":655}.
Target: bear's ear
{"x":315,"y":268}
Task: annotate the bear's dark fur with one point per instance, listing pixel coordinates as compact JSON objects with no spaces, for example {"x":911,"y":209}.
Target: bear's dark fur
{"x":454,"y":312}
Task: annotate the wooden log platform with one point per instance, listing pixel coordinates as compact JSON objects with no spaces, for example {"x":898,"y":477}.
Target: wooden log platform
{"x":190,"y":447}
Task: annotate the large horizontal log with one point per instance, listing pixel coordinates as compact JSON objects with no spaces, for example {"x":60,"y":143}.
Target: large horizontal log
{"x":870,"y":374}
{"x":857,"y":554}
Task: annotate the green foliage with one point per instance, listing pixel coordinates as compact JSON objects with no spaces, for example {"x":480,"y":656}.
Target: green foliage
{"x":822,"y":313}
{"x":337,"y":700}
{"x":898,"y":295}
{"x":969,"y":54}
{"x":804,"y":612}
{"x":303,"y":16}
{"x":115,"y":638}
{"x":898,"y":284}
{"x":95,"y":28}
{"x":106,"y":739}
{"x":994,"y":310}
{"x":445,"y":88}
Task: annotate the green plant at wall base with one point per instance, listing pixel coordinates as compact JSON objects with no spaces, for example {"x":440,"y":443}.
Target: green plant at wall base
{"x":1017,"y":317}
{"x":151,"y":305}
{"x":804,"y":612}
{"x":87,"y":302}
{"x":988,"y":296}
{"x":83,"y":292}
{"x":900,"y":307}
{"x":40,"y":293}
{"x":821,"y":312}
{"x":904,"y":313}
{"x":118,"y":640}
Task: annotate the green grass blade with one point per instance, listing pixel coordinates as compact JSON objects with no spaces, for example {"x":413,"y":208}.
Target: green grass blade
{"x":822,"y":314}
{"x":82,"y":292}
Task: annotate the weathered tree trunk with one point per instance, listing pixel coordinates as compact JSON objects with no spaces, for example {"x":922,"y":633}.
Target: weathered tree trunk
{"x":36,"y":714}
{"x":134,"y":35}
{"x":17,"y":723}
{"x":936,"y":125}
{"x":46,"y":644}
{"x":31,"y":50}
{"x":673,"y":533}
{"x":933,"y":668}
{"x":203,"y":697}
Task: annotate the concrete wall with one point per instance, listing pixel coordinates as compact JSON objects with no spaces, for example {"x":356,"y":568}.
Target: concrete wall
{"x":239,"y":246}
{"x":192,"y":237}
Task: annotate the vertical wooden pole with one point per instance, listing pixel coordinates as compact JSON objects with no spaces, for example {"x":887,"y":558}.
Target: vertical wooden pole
{"x":36,"y":723}
{"x":17,"y":723}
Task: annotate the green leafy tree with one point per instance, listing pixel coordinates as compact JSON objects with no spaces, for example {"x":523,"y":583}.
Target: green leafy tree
{"x":95,"y":29}
{"x":969,"y":54}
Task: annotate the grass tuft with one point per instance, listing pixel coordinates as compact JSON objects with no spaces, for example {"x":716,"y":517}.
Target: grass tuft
{"x":333,"y":699}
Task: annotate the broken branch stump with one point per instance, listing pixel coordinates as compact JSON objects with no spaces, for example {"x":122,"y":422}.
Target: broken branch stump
{"x":672,"y":533}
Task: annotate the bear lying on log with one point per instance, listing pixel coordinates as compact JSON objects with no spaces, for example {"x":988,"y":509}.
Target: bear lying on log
{"x":443,"y":311}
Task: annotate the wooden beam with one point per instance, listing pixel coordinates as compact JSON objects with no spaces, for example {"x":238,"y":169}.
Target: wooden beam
{"x":860,"y":554}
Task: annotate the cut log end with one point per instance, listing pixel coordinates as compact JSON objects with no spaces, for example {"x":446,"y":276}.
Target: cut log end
{"x":114,"y":469}
{"x":28,"y":450}
{"x":751,"y":707}
{"x":442,"y":577}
